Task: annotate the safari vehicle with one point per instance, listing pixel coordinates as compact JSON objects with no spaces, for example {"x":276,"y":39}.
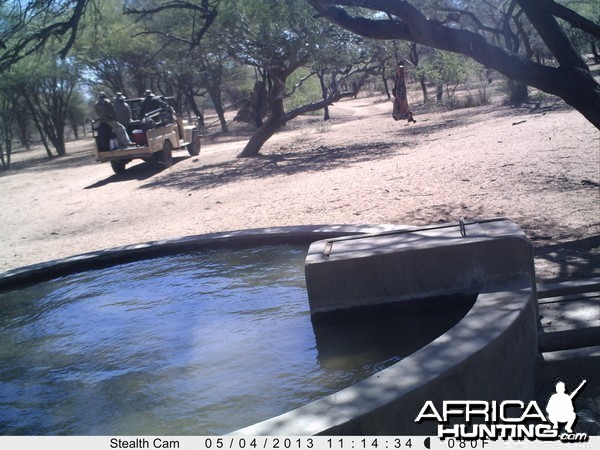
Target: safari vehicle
{"x":155,"y":135}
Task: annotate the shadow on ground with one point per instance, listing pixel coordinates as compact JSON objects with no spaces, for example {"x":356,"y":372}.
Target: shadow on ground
{"x":138,"y":172}
{"x":570,"y":260}
{"x":445,"y":119}
{"x":317,"y":159}
{"x":43,"y":163}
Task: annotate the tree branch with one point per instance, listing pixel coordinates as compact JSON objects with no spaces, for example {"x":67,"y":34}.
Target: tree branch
{"x":203,"y":9}
{"x":478,"y":23}
{"x":299,"y":84}
{"x":422,"y":31}
{"x":570,"y":16}
{"x":36,"y":40}
{"x":415,"y":27}
{"x":162,"y":33}
{"x":552,"y":34}
{"x":207,"y":11}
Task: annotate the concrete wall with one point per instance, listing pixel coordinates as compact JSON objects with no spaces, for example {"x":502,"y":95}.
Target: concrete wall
{"x":372,"y":270}
{"x":47,"y":270}
{"x":489,"y":355}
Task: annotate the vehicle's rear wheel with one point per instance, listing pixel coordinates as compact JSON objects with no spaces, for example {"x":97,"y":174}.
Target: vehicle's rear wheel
{"x":165,"y":156}
{"x":194,"y":146}
{"x":118,"y":167}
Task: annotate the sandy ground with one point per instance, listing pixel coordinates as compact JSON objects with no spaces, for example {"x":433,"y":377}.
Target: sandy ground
{"x":538,"y":168}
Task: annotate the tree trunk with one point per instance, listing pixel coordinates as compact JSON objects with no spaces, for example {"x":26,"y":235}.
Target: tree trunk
{"x":585,"y":98}
{"x":56,"y":135}
{"x":75,"y":130}
{"x":517,"y":92}
{"x":260,"y":102}
{"x":277,"y":76}
{"x":279,"y":117}
{"x":595,"y":52}
{"x":60,"y":148}
{"x":2,"y":162}
{"x":326,"y":115}
{"x":262,"y":135}
{"x":385,"y":85}
{"x":54,"y":127}
{"x":215,"y":96}
{"x":38,"y":125}
{"x":424,"y":88}
{"x":22,"y":122}
{"x":8,"y":146}
{"x":189,"y":94}
{"x":321,"y":77}
{"x":439,"y":92}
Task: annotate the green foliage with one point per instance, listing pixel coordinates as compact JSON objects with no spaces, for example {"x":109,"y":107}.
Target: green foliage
{"x":269,"y":31}
{"x":446,"y":69}
{"x":30,"y":26}
{"x":308,"y":90}
{"x":47,"y":87}
{"x":9,"y":99}
{"x":118,"y":57}
{"x":580,"y":39}
{"x":78,"y":111}
{"x":449,"y":72}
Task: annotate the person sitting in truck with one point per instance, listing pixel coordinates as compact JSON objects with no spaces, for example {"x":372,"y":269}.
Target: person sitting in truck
{"x":152,"y":103}
{"x":106,"y":114}
{"x":122,"y":110}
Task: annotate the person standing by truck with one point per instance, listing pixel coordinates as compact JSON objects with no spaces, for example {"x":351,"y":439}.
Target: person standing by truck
{"x":106,"y":114}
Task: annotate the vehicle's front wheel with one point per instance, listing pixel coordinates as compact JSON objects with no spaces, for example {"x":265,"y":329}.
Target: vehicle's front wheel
{"x":165,"y":156}
{"x":118,"y":167}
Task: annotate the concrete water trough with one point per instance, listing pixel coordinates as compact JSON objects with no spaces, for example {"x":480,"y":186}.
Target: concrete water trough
{"x":489,"y":355}
{"x":352,"y":272}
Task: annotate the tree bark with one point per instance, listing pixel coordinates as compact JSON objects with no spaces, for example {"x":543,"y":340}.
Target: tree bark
{"x":517,"y":93}
{"x":385,"y":85}
{"x":189,"y":94}
{"x":277,"y":119}
{"x":424,"y":89}
{"x":2,"y":162}
{"x":215,"y":97}
{"x":38,"y":125}
{"x":595,"y":52}
{"x":262,"y":135}
{"x":321,"y":76}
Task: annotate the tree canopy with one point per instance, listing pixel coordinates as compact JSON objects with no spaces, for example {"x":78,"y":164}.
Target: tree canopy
{"x":27,"y":26}
{"x":462,"y":31}
{"x":284,"y":57}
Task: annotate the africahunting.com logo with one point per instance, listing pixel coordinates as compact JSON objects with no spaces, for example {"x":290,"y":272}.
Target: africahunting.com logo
{"x":509,"y":419}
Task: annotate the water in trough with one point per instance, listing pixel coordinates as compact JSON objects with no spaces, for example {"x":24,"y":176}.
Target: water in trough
{"x":192,"y":343}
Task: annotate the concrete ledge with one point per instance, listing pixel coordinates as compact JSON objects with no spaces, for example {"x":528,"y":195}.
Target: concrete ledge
{"x":572,"y":354}
{"x":488,"y":355}
{"x":423,"y":263}
{"x":569,"y":288}
{"x":569,"y":339}
{"x":233,"y":239}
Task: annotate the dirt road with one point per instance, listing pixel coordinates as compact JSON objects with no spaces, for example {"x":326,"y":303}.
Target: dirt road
{"x":539,"y":169}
